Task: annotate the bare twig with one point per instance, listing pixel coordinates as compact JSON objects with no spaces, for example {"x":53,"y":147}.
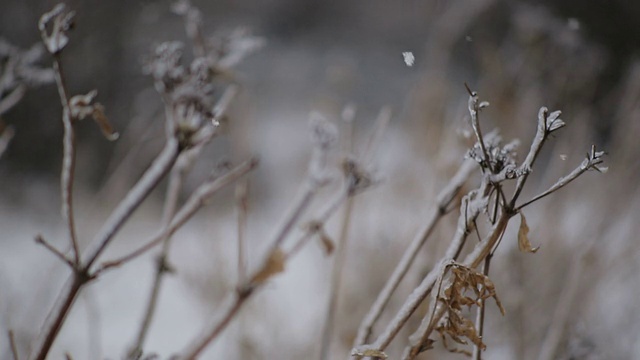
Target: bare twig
{"x":12,"y":344}
{"x":356,"y":180}
{"x":193,"y":204}
{"x":232,"y":306}
{"x":13,"y":98}
{"x":273,"y":264}
{"x":474,"y":110}
{"x":134,"y":198}
{"x":171,"y":202}
{"x":591,"y":162}
{"x":546,"y":124}
{"x":57,"y":316}
{"x":324,"y":135}
{"x":444,"y":199}
{"x":348,"y":115}
{"x":68,"y":159}
{"x":477,"y":350}
{"x":336,"y":282}
{"x":316,"y":226}
{"x":41,"y":241}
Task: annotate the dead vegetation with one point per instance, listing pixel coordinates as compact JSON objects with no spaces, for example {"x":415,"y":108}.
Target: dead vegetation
{"x":446,"y":306}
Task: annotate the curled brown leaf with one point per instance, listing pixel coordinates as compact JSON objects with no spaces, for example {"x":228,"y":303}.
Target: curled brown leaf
{"x":273,"y":266}
{"x":523,"y":236}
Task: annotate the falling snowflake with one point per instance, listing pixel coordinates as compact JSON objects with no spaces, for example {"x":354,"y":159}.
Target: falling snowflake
{"x":408,"y":58}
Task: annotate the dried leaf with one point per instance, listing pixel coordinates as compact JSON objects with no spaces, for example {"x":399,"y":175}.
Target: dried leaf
{"x":273,"y":266}
{"x":103,"y":122}
{"x":523,"y":239}
{"x":80,"y":106}
{"x":327,"y":243}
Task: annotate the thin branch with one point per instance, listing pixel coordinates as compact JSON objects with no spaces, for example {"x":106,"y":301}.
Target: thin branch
{"x":232,"y":305}
{"x":68,"y":157}
{"x":443,"y":201}
{"x":81,"y":276}
{"x":317,"y":225}
{"x":191,"y":206}
{"x":477,"y":350}
{"x":244,"y":291}
{"x":13,"y":98}
{"x":161,"y":165}
{"x":474,"y":110}
{"x":12,"y":344}
{"x":242,"y":207}
{"x":348,"y":115}
{"x":171,"y":201}
{"x":57,"y":316}
{"x":542,"y":133}
{"x":41,"y":241}
{"x":324,"y":134}
{"x":336,"y":282}
{"x":584,"y":167}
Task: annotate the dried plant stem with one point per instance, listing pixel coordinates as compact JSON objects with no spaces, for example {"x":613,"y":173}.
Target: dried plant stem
{"x":68,"y":158}
{"x":170,"y":204}
{"x":134,"y":198}
{"x":41,"y":241}
{"x":232,"y":305}
{"x":536,"y":146}
{"x":444,"y":199}
{"x":558,"y":185}
{"x":438,"y":312}
{"x":12,"y":344}
{"x":12,"y":99}
{"x":191,"y":206}
{"x":244,"y":291}
{"x":300,"y":206}
{"x":429,"y":322}
{"x":477,"y":350}
{"x":57,"y":316}
{"x":81,"y":274}
{"x":336,"y":282}
{"x":242,"y":190}
{"x":317,"y":224}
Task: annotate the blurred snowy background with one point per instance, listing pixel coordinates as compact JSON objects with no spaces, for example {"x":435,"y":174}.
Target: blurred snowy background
{"x":580,"y":57}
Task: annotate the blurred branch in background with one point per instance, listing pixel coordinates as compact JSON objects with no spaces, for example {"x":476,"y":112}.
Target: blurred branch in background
{"x":409,"y":295}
